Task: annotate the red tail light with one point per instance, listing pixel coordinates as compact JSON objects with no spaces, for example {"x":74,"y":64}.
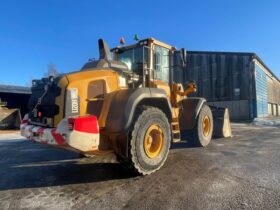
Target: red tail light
{"x":87,"y":124}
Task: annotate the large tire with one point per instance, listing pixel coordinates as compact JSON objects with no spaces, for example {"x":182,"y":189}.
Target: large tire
{"x":201,"y":134}
{"x":150,"y":140}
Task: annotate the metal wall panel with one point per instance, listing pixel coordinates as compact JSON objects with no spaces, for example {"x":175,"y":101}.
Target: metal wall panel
{"x":220,"y":76}
{"x":229,"y":76}
{"x":224,"y":77}
{"x":238,"y":110}
{"x":273,"y":91}
{"x":261,"y":92}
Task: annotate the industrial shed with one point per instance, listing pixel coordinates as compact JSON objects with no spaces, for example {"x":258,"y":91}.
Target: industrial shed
{"x":239,"y":81}
{"x":15,"y":96}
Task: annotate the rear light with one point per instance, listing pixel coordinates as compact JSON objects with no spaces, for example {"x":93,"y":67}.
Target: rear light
{"x":87,"y":124}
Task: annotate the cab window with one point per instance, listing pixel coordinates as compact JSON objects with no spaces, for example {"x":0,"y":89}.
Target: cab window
{"x":161,"y":63}
{"x":133,"y":58}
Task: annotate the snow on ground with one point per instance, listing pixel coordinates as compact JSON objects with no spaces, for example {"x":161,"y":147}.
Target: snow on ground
{"x":11,"y":136}
{"x":264,"y":122}
{"x":267,"y":121}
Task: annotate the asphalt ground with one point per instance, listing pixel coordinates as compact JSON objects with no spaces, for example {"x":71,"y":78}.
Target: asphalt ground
{"x":242,"y":172}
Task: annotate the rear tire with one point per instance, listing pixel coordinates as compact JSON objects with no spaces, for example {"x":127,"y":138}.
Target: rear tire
{"x":150,"y":140}
{"x":201,"y":134}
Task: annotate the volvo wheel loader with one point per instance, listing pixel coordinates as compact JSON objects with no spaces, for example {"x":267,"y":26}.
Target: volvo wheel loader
{"x":129,"y":101}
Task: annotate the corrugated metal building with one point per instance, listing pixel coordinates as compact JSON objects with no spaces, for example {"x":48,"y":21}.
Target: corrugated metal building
{"x":239,"y":81}
{"x":15,"y":96}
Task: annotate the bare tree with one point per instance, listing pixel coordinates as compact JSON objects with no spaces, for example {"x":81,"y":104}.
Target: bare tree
{"x":52,"y":70}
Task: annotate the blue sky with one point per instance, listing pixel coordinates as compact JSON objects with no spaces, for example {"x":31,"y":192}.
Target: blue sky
{"x":65,"y":33}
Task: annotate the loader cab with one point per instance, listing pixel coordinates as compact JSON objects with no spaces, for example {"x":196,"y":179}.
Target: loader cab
{"x":136,"y":57}
{"x":148,"y":59}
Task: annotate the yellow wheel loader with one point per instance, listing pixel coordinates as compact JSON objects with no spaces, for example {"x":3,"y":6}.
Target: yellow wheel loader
{"x":130,"y":101}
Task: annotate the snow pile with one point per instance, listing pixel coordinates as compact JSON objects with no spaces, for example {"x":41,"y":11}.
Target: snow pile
{"x":11,"y":136}
{"x":266,"y":121}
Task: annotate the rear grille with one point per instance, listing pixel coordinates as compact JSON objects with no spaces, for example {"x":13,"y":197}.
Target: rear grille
{"x":42,"y":112}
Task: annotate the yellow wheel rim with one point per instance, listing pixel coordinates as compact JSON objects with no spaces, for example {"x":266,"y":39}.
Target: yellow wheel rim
{"x":206,"y":125}
{"x":153,"y":141}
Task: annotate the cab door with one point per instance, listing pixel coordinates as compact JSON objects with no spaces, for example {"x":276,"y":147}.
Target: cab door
{"x":161,"y":64}
{"x":161,"y":68}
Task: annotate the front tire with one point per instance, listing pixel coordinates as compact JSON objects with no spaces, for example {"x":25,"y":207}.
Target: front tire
{"x":201,"y":134}
{"x":150,"y":140}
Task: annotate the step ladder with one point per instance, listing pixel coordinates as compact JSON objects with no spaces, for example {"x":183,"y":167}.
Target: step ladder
{"x":176,"y":130}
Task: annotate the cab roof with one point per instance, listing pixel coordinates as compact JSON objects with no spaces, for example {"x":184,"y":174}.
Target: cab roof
{"x":147,"y":40}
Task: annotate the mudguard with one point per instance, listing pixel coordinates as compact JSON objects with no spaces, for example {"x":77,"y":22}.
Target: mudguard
{"x":189,"y":112}
{"x":125,"y":102}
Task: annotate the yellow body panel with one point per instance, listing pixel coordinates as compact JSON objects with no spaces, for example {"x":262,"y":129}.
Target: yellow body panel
{"x":161,"y":85}
{"x":81,"y":80}
{"x":105,"y":110}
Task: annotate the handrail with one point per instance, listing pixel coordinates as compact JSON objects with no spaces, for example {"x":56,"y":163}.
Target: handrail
{"x":94,"y":99}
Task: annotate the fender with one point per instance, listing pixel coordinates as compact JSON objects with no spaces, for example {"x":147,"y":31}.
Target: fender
{"x":125,"y":102}
{"x":189,"y":113}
